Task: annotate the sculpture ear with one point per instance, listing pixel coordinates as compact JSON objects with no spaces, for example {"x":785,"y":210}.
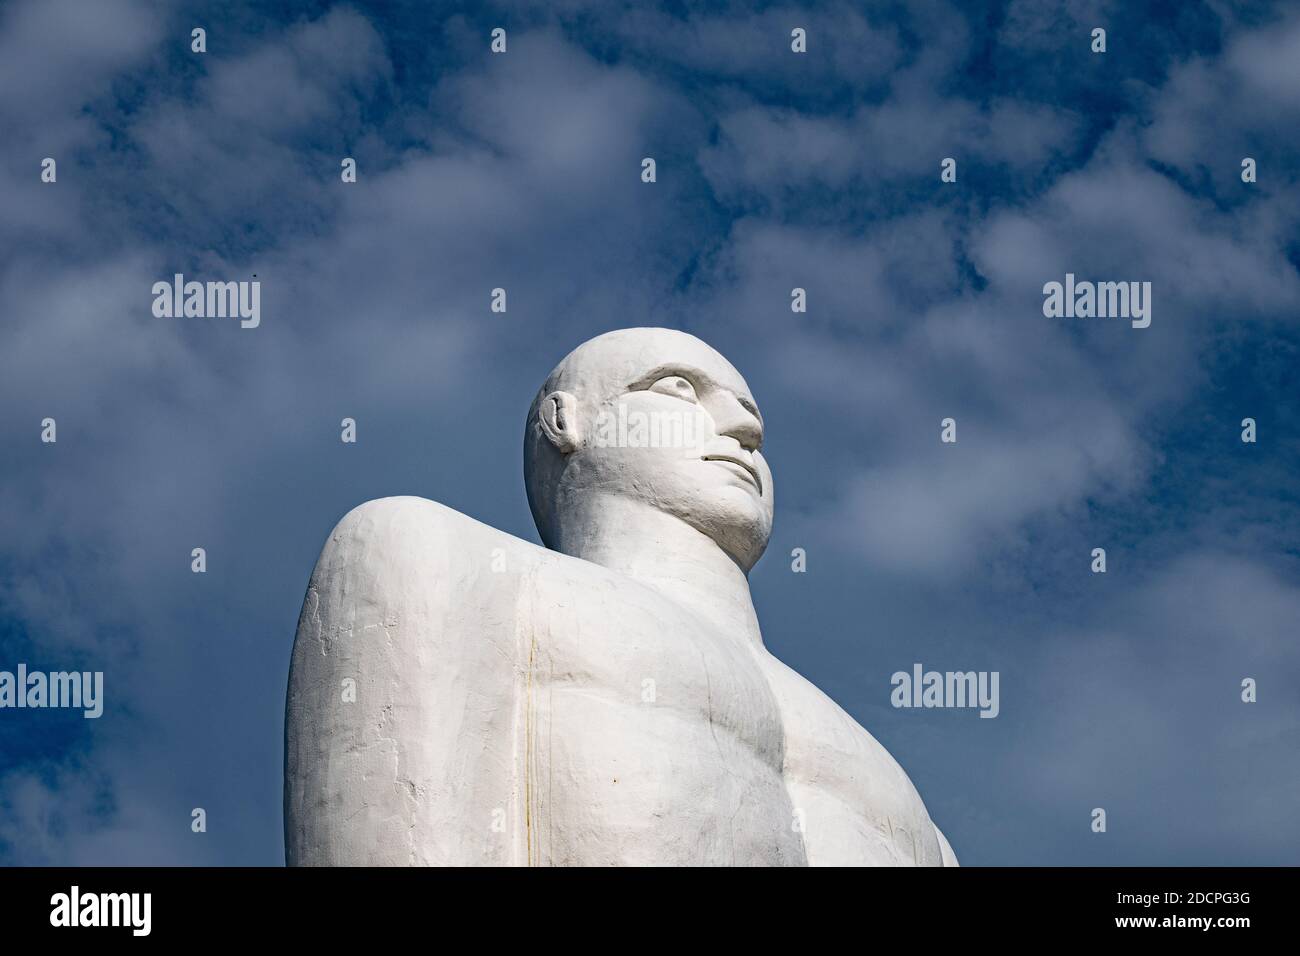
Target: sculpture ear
{"x":559,"y":419}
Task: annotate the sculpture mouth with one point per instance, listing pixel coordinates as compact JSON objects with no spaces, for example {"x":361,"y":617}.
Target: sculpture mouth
{"x":745,"y":469}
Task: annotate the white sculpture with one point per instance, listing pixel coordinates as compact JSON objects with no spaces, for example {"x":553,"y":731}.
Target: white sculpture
{"x":461,"y":696}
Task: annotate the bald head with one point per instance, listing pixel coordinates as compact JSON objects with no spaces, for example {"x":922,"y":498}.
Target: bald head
{"x":656,"y":417}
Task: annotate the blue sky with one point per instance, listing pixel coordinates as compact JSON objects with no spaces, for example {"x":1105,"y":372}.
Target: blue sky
{"x":774,"y":171}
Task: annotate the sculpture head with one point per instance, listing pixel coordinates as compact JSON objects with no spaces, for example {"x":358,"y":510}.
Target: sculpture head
{"x":658,"y":419}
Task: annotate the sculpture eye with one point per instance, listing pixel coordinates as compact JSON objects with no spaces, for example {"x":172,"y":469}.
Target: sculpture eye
{"x":677,"y":387}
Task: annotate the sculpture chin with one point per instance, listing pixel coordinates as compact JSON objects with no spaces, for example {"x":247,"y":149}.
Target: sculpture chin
{"x":744,"y":544}
{"x":736,"y":518}
{"x":720,"y":500}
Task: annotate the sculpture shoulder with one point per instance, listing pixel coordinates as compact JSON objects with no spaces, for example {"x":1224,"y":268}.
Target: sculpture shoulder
{"x":413,"y":560}
{"x":398,"y":535}
{"x":812,"y":715}
{"x":949,"y":857}
{"x":824,"y":743}
{"x":860,"y":805}
{"x":413,"y":526}
{"x":402,"y":535}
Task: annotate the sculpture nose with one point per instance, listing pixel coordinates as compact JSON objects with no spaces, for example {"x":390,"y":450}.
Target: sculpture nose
{"x":736,"y":421}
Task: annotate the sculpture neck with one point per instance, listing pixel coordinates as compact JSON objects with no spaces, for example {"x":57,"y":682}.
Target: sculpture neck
{"x":664,"y":553}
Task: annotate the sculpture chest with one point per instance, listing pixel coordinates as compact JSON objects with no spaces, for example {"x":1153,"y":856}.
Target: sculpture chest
{"x":648,"y":737}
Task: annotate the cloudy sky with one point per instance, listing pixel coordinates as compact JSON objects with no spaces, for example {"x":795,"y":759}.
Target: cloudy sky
{"x":775,"y":170}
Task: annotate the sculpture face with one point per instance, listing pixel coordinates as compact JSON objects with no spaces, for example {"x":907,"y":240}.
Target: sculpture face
{"x":655,"y":417}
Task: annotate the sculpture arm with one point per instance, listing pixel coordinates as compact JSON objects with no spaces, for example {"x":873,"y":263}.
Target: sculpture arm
{"x":399,"y":723}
